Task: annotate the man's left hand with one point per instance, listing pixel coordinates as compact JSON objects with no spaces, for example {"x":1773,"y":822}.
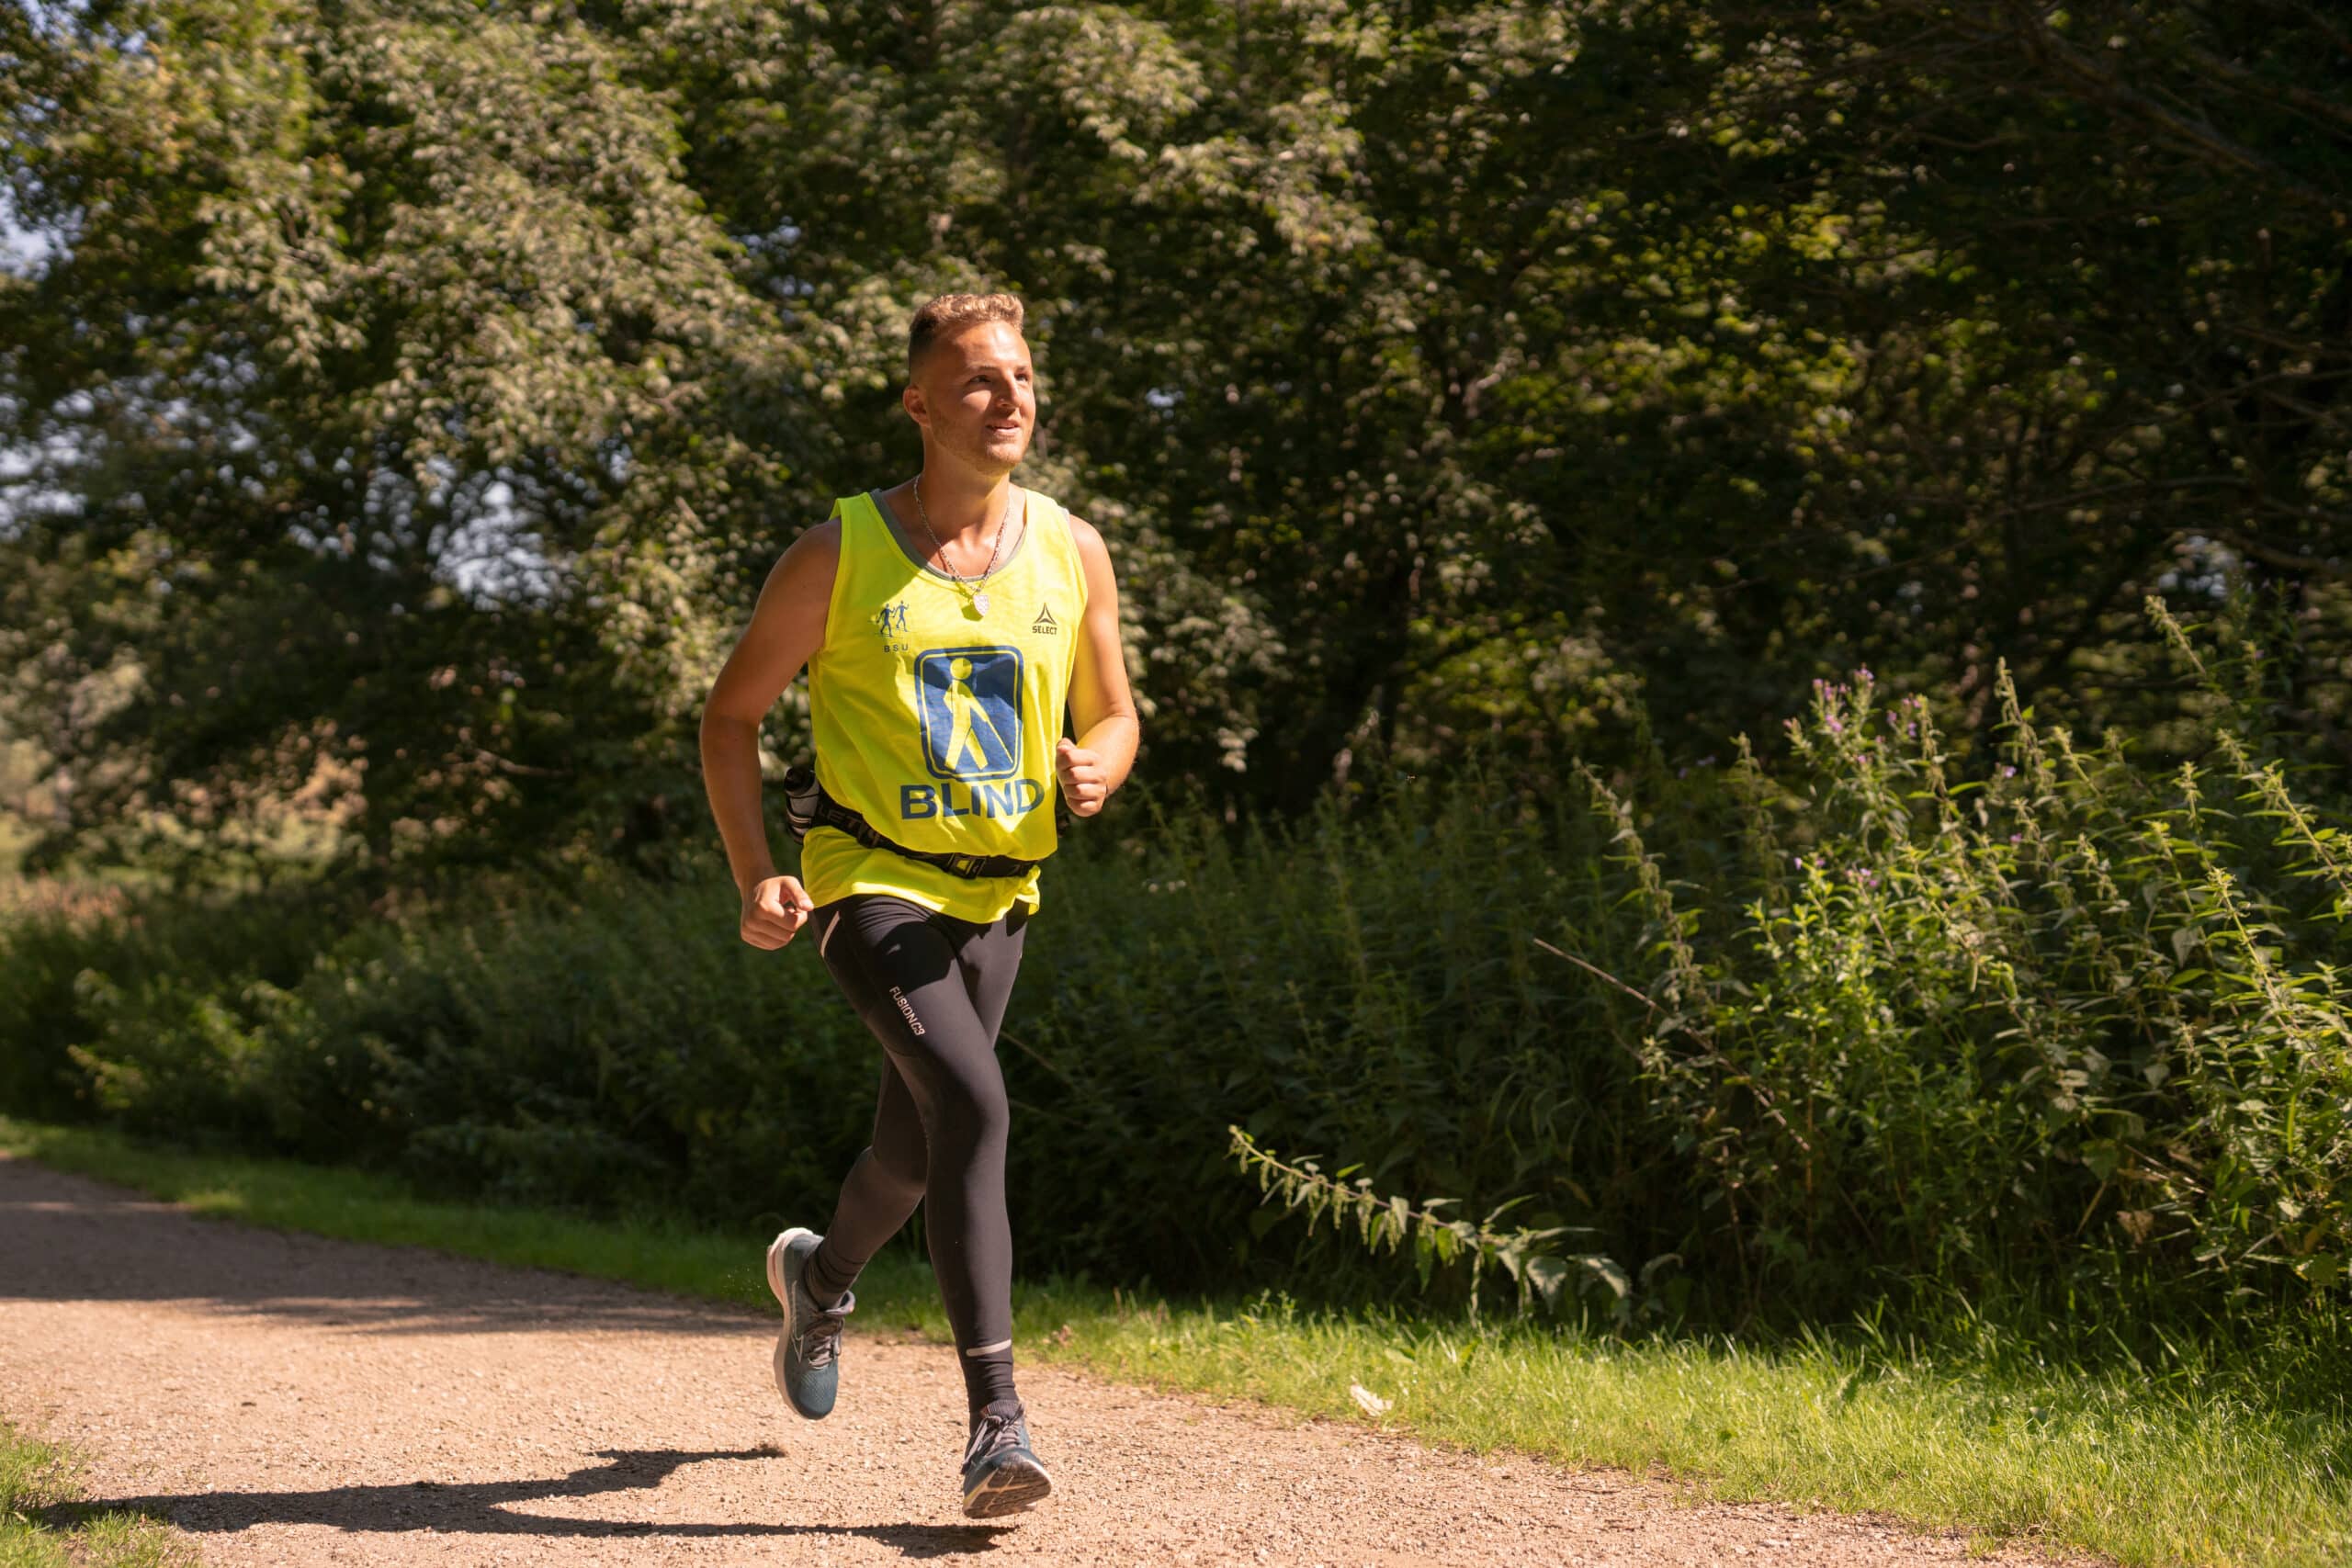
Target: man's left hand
{"x":1080,"y":772}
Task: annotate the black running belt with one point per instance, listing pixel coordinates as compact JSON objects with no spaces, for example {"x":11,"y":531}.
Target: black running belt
{"x":807,"y":806}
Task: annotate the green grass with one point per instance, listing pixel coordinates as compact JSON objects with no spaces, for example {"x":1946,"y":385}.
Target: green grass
{"x":2243,"y":1457}
{"x":41,"y":1528}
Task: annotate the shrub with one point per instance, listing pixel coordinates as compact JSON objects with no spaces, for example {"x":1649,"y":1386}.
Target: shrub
{"x":2066,"y":1020}
{"x":1758,"y":1039}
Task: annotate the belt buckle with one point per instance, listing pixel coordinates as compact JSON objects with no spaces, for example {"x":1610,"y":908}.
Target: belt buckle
{"x":966,"y":865}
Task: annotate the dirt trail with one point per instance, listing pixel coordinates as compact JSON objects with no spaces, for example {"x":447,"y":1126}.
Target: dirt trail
{"x":291,"y":1399}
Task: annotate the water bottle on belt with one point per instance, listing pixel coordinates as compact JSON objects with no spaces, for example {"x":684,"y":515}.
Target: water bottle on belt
{"x":799,"y":800}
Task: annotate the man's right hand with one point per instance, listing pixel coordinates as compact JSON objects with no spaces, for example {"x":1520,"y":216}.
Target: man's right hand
{"x":775,"y":910}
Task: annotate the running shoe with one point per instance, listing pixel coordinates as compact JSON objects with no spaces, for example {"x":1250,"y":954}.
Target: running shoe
{"x":807,"y":1353}
{"x":1000,"y":1475}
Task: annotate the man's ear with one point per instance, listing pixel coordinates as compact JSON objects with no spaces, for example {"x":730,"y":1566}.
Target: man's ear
{"x":912,"y":400}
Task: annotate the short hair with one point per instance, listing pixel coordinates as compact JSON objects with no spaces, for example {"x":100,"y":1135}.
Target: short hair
{"x":953,"y":312}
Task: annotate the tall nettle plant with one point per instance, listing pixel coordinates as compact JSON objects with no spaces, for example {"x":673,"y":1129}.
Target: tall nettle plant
{"x":2069,"y":1016}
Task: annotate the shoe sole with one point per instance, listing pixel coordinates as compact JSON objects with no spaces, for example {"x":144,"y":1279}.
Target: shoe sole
{"x":783,"y":1293}
{"x":1011,"y":1487}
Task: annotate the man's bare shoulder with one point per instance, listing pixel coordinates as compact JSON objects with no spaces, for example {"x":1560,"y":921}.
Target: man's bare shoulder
{"x":801,"y":582}
{"x":787,"y":628}
{"x":1087,"y":536}
{"x":1100,"y":580}
{"x":812,"y":558}
{"x":817,"y":542}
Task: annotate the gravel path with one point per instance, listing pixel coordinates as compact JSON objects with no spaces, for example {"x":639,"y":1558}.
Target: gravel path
{"x":293,"y":1400}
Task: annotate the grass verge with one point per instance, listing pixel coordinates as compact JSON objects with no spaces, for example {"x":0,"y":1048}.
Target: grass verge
{"x":2211,"y":1457}
{"x":40,"y":1526}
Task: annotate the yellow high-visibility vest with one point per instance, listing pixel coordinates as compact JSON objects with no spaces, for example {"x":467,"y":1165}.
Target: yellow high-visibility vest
{"x":936,"y":721}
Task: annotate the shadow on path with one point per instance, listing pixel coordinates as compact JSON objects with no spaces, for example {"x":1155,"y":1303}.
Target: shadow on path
{"x":480,"y":1508}
{"x":68,"y":1239}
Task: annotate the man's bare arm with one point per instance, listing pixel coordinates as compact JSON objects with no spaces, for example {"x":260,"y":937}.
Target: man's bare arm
{"x":788,"y":627}
{"x":1102,"y":707}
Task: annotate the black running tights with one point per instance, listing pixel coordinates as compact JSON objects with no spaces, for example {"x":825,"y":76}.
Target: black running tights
{"x":932,"y":988}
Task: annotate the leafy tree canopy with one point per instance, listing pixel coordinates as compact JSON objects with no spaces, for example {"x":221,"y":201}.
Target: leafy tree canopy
{"x":420,"y":392}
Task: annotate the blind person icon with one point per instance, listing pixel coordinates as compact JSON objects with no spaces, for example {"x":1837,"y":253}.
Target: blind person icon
{"x":971,"y":711}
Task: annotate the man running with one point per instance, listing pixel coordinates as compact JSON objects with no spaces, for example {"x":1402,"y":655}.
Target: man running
{"x":945,"y":623}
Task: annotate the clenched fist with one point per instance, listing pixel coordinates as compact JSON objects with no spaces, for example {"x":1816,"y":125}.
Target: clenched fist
{"x":775,"y":910}
{"x":1080,"y":772}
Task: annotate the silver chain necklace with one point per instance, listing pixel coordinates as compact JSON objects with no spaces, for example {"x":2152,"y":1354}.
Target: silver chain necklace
{"x":970,"y":586}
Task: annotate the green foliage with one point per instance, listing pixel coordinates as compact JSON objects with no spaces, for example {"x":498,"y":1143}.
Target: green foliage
{"x":42,"y":1526}
{"x":418,"y":395}
{"x":157,"y":987}
{"x":1394,"y":1223}
{"x":376,"y":410}
{"x":1802,"y":1039}
{"x":530,"y":1052}
{"x":2071,"y":1019}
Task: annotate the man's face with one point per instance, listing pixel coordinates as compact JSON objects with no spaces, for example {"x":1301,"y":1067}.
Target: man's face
{"x":973,"y":392}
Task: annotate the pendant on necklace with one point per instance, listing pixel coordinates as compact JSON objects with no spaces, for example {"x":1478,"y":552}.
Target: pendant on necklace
{"x":980,"y":601}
